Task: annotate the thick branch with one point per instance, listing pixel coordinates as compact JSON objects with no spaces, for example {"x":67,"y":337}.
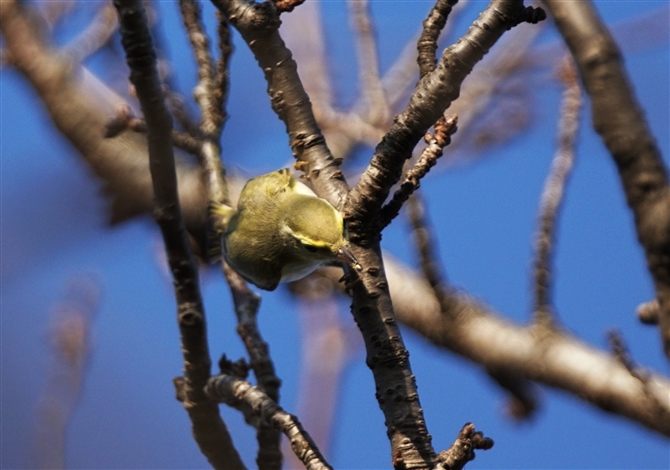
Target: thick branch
{"x":80,"y":107}
{"x":557,"y":359}
{"x":618,"y":119}
{"x":258,"y":24}
{"x":208,"y":429}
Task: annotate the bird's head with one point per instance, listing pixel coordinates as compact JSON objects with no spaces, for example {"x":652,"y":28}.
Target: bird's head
{"x":314,"y":231}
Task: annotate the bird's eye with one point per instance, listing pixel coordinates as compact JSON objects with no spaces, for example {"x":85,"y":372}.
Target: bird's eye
{"x":310,"y":248}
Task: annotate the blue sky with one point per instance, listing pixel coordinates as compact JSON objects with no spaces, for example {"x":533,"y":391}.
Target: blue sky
{"x":54,"y":228}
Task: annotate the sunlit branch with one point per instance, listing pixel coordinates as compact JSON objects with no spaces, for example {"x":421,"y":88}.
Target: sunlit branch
{"x":554,"y":188}
{"x":430,"y":99}
{"x":96,"y":35}
{"x":432,"y":27}
{"x":258,"y":24}
{"x":241,"y":395}
{"x":376,"y":111}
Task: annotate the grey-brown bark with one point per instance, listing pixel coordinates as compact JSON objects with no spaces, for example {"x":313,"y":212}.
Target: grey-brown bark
{"x":618,"y":119}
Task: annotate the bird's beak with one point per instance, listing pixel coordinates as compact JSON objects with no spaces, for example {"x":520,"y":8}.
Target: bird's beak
{"x":345,"y":255}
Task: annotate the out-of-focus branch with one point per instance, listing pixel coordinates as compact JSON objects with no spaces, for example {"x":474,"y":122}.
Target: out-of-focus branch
{"x":649,"y":312}
{"x":559,"y":360}
{"x":376,"y":111}
{"x":69,"y":338}
{"x":433,"y":95}
{"x":251,"y":401}
{"x":618,"y":119}
{"x":554,"y":188}
{"x":98,"y":33}
{"x":209,"y":429}
{"x":80,"y":106}
{"x":523,"y":398}
{"x":211,"y":120}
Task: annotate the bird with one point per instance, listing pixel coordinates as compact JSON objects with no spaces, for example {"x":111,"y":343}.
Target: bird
{"x":282,"y":232}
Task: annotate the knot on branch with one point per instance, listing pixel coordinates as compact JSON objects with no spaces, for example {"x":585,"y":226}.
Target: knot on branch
{"x":532,"y":15}
{"x":189,"y":314}
{"x":463,"y":449}
{"x":263,"y":18}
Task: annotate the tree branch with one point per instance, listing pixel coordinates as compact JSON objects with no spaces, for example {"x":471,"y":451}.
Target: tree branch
{"x":208,"y":428}
{"x":80,"y":106}
{"x":246,"y":304}
{"x":463,"y":449}
{"x":258,"y":24}
{"x":431,"y":98}
{"x":554,"y":188}
{"x":621,"y":124}
{"x":432,"y":27}
{"x":251,"y":401}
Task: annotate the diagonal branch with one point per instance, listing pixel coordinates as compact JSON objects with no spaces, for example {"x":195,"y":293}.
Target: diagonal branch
{"x":432,"y":97}
{"x":208,"y":428}
{"x":618,"y":119}
{"x":253,"y":402}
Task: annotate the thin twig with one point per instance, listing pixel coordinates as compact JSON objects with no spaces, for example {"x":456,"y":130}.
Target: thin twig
{"x":425,"y":244}
{"x":246,"y":303}
{"x":211,"y":123}
{"x":444,"y":129}
{"x":222,"y":77}
{"x":95,"y":36}
{"x":622,"y":355}
{"x":401,"y":77}
{"x":376,"y":111}
{"x":211,"y":93}
{"x":554,"y":189}
{"x":208,"y":428}
{"x":241,"y":395}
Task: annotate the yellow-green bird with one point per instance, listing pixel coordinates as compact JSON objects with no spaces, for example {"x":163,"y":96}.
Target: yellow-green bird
{"x":282,"y":232}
